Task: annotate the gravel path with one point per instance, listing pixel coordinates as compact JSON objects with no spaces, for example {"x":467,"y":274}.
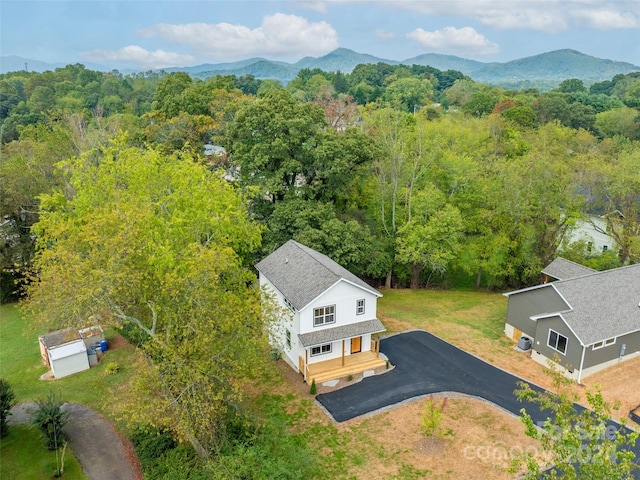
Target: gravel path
{"x":101,"y":451}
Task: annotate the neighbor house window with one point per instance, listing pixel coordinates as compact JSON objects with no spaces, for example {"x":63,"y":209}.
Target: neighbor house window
{"x":321,"y":349}
{"x":288,"y":335}
{"x":557,"y":342}
{"x":324,"y":315}
{"x":604,"y":343}
{"x":360,"y":307}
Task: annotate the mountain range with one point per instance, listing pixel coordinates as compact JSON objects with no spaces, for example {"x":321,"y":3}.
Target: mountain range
{"x":550,"y":68}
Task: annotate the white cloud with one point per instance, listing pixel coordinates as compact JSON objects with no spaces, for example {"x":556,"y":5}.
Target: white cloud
{"x":541,"y":15}
{"x":385,"y":35}
{"x":140,"y":57}
{"x":279,"y":35}
{"x":606,"y":19}
{"x":460,"y":41}
{"x":320,"y":7}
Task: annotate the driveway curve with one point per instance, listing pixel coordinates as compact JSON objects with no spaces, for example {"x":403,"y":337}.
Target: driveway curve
{"x":101,"y":451}
{"x":424,"y":364}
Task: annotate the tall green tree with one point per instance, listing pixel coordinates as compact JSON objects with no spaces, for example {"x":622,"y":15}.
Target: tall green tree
{"x":272,"y":142}
{"x":159,"y":243}
{"x":578,"y":443}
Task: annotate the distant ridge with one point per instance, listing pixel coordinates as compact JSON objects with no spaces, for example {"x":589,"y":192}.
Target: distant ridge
{"x":551,"y":67}
{"x":554,"y":66}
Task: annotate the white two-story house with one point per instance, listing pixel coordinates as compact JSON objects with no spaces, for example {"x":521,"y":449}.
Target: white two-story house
{"x":333,"y":313}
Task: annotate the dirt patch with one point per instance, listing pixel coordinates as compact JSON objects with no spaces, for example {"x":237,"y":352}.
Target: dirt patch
{"x":430,"y":446}
{"x":620,"y":383}
{"x":118,"y":341}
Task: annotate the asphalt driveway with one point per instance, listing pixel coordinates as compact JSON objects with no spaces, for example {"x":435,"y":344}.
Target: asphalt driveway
{"x":425,"y":364}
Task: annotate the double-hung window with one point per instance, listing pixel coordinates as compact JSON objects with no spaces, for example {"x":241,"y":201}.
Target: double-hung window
{"x":288,"y":336}
{"x":324,"y":315}
{"x":321,"y":349}
{"x":557,"y":341}
{"x":360,"y":307}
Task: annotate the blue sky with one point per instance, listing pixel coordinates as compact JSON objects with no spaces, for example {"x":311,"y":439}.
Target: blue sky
{"x":146,"y":34}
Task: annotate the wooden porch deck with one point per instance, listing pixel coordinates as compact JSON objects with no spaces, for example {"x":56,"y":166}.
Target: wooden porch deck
{"x":333,"y":369}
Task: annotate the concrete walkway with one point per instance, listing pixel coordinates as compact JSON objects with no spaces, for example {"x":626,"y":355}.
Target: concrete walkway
{"x":94,"y":441}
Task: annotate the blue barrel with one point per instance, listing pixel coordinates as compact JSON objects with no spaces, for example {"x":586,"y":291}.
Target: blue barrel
{"x":103,"y":346}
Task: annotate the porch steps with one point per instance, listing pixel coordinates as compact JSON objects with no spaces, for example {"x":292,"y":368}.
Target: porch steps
{"x":344,"y":371}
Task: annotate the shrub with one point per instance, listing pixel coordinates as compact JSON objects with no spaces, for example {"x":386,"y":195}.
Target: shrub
{"x":49,"y":419}
{"x":432,"y":416}
{"x":313,"y":390}
{"x":7,"y":400}
{"x":151,"y":443}
{"x":111,"y":368}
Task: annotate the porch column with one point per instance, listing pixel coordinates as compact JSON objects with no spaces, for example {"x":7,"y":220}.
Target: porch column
{"x":306,"y":362}
{"x":343,"y":352}
{"x":378,"y":346}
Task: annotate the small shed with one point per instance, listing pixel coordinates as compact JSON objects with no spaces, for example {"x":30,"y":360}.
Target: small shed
{"x":53,"y":339}
{"x":68,"y":358}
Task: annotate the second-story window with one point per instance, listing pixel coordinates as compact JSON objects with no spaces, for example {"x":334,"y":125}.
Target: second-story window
{"x":324,"y":315}
{"x":360,"y":307}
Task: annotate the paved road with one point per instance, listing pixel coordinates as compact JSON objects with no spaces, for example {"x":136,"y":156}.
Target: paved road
{"x":94,"y":441}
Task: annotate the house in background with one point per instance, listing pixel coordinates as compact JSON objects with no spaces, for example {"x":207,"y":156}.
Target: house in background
{"x":594,"y":231}
{"x":333,"y":330}
{"x":588,"y":319}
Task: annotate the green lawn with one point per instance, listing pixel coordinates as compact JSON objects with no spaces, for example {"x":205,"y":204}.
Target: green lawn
{"x":21,"y":366}
{"x":441,"y":311}
{"x":22,"y":453}
{"x":24,"y":457}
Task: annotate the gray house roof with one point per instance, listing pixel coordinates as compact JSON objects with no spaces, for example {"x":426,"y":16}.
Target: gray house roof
{"x":301,"y":274}
{"x":328,"y":335}
{"x":603,"y":304}
{"x":563,"y":269}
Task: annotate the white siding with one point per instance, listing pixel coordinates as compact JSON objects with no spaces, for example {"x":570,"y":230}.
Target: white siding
{"x":68,"y":359}
{"x":292,"y":324}
{"x":344,"y":296}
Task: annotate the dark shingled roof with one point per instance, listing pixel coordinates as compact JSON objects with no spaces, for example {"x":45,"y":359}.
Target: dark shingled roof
{"x":301,"y":274}
{"x":604,"y":304}
{"x":328,"y":335}
{"x":563,"y":269}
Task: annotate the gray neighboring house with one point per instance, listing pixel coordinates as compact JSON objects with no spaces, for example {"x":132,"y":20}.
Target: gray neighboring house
{"x":333,"y":312}
{"x":589,"y":319}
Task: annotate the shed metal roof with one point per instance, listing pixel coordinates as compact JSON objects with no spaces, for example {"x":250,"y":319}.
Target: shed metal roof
{"x":67,"y":350}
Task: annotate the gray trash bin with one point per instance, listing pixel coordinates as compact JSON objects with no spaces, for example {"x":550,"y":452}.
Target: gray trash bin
{"x":93,"y":358}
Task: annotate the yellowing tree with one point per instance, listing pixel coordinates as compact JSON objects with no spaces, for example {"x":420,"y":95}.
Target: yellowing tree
{"x":157,"y":242}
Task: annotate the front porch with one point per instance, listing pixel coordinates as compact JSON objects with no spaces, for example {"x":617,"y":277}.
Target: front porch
{"x":343,"y":367}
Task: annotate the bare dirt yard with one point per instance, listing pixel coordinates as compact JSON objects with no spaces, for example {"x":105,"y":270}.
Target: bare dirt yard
{"x":476,"y":440}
